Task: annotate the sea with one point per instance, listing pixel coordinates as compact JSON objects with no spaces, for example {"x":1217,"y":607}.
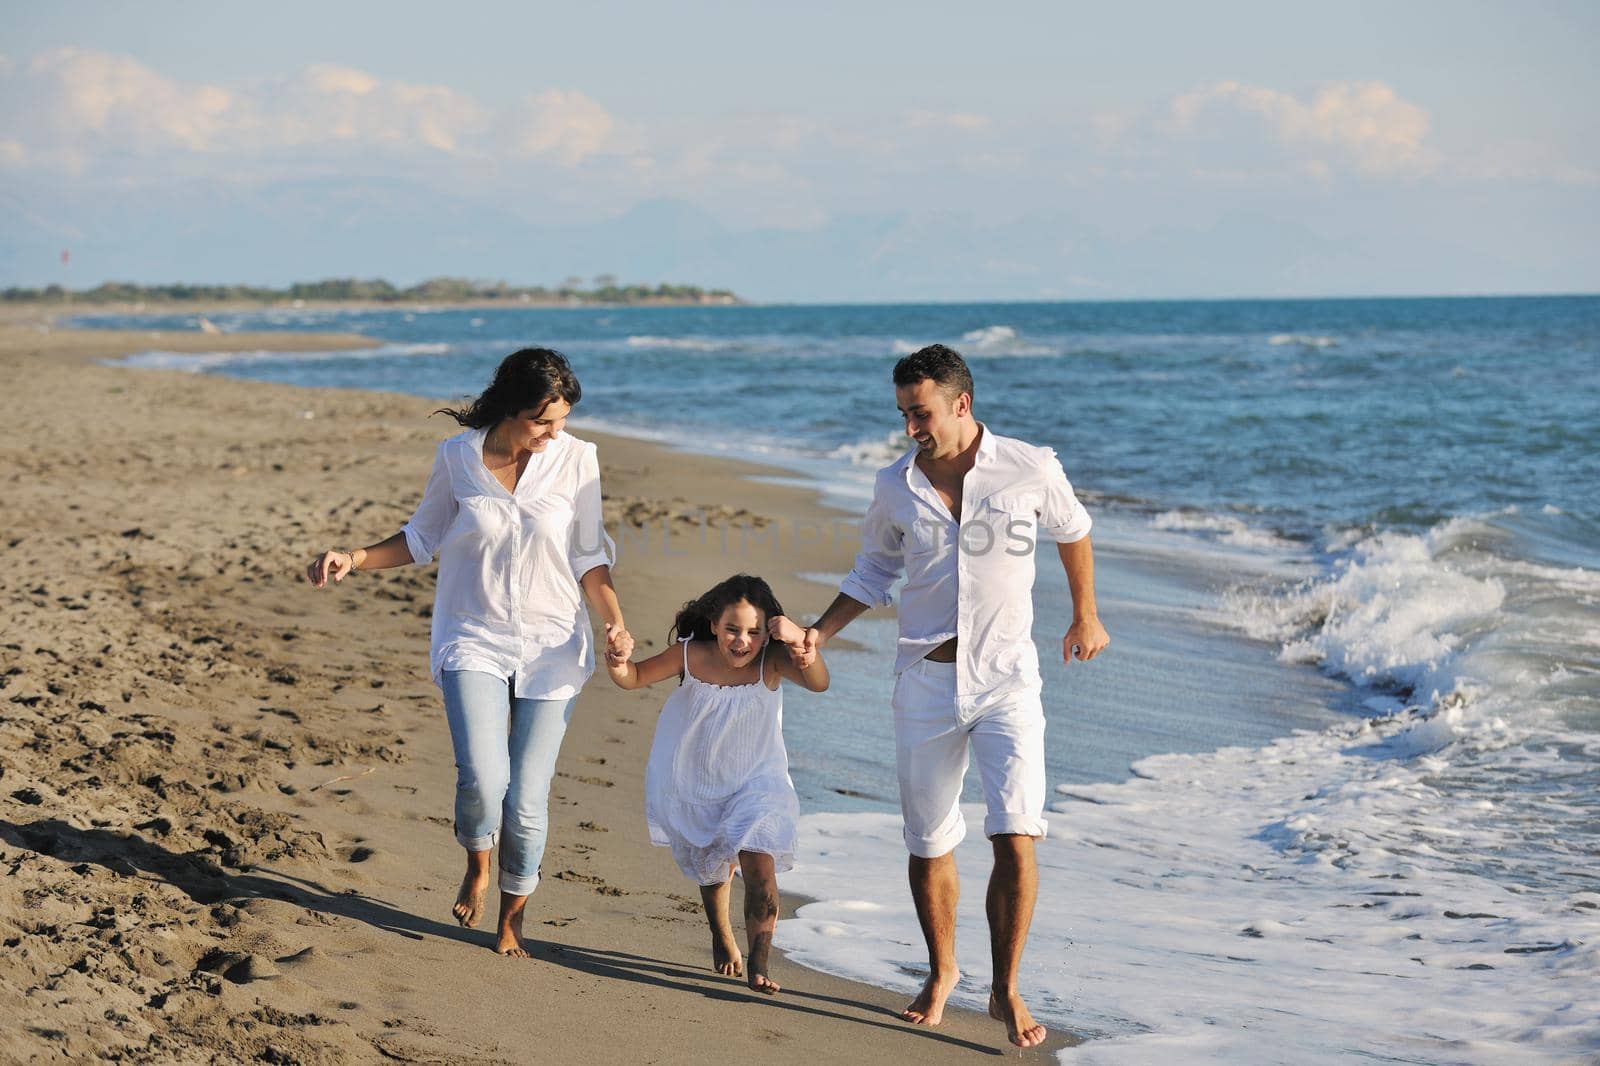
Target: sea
{"x":1333,"y":792}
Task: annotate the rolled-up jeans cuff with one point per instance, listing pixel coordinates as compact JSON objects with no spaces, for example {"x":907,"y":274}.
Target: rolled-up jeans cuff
{"x":478,"y":843}
{"x":995,"y":825}
{"x":518,"y":884}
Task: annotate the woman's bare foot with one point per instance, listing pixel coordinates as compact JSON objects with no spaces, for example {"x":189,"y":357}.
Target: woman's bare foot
{"x":928,"y":1007}
{"x":509,"y":942}
{"x":1021,"y":1029}
{"x":468,"y":907}
{"x":725,"y":954}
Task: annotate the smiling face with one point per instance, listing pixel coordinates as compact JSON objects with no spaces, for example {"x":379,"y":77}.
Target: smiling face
{"x":741,"y":630}
{"x":933,"y":419}
{"x":533,"y":429}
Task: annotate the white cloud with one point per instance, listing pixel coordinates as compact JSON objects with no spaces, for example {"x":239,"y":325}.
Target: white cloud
{"x":329,"y":105}
{"x":1368,"y":124}
{"x":566,"y":124}
{"x":957,"y":121}
{"x":73,"y":103}
{"x":71,"y":108}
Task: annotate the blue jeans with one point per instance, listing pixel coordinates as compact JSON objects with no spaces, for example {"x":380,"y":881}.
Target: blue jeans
{"x":505,"y":751}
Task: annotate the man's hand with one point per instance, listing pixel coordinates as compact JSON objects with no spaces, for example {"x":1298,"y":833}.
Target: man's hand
{"x":813,"y":641}
{"x":783,"y":631}
{"x":1084,"y":640}
{"x":619,"y":645}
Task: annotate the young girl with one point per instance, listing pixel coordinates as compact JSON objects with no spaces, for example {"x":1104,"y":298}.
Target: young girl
{"x":717,"y":786}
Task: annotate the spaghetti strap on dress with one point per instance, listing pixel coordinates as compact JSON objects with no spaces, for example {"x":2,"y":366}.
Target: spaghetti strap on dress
{"x":717,"y":781}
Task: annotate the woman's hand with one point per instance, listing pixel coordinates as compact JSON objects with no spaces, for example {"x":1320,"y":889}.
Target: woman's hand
{"x":334,"y":564}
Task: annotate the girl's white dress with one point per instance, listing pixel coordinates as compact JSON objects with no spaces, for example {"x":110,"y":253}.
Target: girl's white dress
{"x":717,"y":782}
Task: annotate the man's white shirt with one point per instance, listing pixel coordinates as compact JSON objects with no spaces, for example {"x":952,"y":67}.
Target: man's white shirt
{"x":973,"y":579}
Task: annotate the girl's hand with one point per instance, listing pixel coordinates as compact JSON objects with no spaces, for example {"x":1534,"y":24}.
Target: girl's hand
{"x":334,"y":564}
{"x":619,"y":645}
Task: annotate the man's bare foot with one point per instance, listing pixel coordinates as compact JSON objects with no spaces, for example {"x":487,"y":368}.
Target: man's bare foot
{"x":725,"y":954}
{"x":468,"y":907}
{"x":760,"y":982}
{"x":928,"y":1007}
{"x":1022,"y":1030}
{"x":509,"y":942}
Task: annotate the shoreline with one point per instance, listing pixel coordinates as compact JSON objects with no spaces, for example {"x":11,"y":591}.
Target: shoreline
{"x":289,"y":743}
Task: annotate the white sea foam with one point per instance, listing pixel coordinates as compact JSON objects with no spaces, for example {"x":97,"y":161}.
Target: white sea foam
{"x":1285,"y":904}
{"x":1303,"y":340}
{"x":688,"y":344}
{"x":195,"y":362}
{"x":990,"y":337}
{"x":1226,"y":528}
{"x":875,"y":453}
{"x":986,"y":341}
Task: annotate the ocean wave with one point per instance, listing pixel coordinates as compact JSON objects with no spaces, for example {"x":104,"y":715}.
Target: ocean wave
{"x":1303,"y":340}
{"x":994,"y":340}
{"x":990,"y":337}
{"x":1225,"y":528}
{"x":876,"y":452}
{"x":1300,"y":901}
{"x":1254,"y":905}
{"x":195,"y":362}
{"x":688,"y":344}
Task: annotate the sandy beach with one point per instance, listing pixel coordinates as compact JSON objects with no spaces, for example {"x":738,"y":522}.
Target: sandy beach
{"x":225,"y":797}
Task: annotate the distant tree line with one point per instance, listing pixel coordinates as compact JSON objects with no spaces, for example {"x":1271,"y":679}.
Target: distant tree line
{"x":604,"y":290}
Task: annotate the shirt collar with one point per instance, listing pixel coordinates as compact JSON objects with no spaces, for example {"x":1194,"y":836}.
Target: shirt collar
{"x":984,"y":458}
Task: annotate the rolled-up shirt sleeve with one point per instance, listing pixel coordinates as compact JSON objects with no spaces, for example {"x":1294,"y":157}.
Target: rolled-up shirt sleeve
{"x":1061,"y":517}
{"x":589,"y":545}
{"x":426,"y":529}
{"x":881,"y":559}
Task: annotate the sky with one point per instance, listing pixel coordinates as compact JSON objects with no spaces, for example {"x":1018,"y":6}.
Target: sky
{"x":822,"y":152}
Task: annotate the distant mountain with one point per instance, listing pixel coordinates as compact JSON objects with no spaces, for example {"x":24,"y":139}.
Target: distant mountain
{"x":274,"y":233}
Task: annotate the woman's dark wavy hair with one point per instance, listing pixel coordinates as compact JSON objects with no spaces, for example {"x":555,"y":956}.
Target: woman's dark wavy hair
{"x":698,"y":618}
{"x":527,"y":379}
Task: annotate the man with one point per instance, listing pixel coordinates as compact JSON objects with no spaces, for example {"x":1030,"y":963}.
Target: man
{"x":959,"y":516}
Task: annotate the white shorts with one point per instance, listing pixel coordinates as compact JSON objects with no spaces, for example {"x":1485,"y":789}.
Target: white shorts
{"x":931,"y":753}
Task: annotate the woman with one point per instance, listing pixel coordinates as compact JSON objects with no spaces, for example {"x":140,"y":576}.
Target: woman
{"x":513,"y":512}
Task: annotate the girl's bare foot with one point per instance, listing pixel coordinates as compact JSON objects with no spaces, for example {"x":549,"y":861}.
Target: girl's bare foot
{"x":468,"y":907}
{"x":1021,"y":1029}
{"x":725,"y":957}
{"x":760,"y":948}
{"x":928,"y":1007}
{"x":509,"y":942}
{"x":725,"y":954}
{"x":760,"y":917}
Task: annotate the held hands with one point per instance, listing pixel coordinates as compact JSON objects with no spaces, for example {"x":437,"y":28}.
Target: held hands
{"x":787,"y":633}
{"x":334,"y":564}
{"x":619,"y":646}
{"x":1085,"y":639}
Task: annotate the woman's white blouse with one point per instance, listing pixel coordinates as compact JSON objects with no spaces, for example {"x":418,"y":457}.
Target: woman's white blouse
{"x":508,"y":601}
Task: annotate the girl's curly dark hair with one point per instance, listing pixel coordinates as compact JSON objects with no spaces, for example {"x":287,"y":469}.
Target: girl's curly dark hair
{"x":697,"y":619}
{"x":526,"y":379}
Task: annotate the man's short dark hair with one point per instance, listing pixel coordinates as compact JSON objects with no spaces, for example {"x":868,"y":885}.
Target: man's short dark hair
{"x":937,"y":363}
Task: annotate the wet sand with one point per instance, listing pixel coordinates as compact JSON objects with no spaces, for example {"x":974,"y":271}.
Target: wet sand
{"x":225,"y":797}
